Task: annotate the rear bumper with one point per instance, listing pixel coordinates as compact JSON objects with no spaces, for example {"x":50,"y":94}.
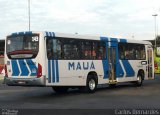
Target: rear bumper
{"x":25,"y":81}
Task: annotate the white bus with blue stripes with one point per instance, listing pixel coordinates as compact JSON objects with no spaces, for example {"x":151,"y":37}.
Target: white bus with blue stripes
{"x":64,"y":61}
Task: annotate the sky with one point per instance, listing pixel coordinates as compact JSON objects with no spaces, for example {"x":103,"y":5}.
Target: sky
{"x":130,"y":19}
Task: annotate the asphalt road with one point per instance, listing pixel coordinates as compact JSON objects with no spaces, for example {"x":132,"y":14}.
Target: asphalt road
{"x":123,"y":96}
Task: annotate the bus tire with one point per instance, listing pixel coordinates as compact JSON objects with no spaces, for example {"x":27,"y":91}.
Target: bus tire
{"x":91,"y":84}
{"x":139,"y":81}
{"x":60,"y":89}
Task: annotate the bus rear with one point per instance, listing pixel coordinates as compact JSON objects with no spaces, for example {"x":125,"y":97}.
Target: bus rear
{"x":22,"y":60}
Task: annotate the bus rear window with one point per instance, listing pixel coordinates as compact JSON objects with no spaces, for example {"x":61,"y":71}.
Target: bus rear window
{"x":22,"y":47}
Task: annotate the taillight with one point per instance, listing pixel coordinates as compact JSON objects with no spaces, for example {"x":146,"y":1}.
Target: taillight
{"x":156,"y":66}
{"x":5,"y":69}
{"x":39,"y":71}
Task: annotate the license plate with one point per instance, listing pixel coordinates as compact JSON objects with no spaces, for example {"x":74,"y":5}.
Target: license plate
{"x":21,"y":82}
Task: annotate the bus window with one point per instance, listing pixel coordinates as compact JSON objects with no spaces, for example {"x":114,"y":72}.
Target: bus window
{"x":87,"y":49}
{"x":70,"y":49}
{"x":54,"y":49}
{"x":132,"y":51}
{"x":121,"y":52}
{"x":94,"y":50}
{"x":26,"y":45}
{"x":49,"y":49}
{"x":101,"y":50}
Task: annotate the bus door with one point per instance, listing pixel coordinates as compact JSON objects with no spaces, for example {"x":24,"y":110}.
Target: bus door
{"x":112,"y":65}
{"x":150,"y":62}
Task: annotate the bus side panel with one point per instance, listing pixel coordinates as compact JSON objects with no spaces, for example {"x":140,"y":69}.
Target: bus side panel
{"x":131,"y":70}
{"x":73,"y":72}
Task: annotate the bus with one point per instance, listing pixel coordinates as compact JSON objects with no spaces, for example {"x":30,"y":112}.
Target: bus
{"x":2,"y":43}
{"x":64,"y":61}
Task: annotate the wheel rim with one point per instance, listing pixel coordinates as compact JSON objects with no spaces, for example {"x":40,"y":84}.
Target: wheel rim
{"x":139,"y":79}
{"x":92,"y":84}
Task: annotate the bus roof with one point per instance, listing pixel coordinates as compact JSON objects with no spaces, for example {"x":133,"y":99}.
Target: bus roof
{"x":77,"y":36}
{"x":90,"y":37}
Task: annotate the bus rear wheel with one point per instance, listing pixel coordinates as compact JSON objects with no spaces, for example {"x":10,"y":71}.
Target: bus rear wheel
{"x":139,"y":81}
{"x":60,"y":89}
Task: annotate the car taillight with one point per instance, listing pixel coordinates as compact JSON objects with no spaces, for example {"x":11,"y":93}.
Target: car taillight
{"x":156,"y":65}
{"x":39,"y":71}
{"x":5,"y":68}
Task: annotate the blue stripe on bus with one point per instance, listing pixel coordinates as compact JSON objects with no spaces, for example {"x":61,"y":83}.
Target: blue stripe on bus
{"x":21,"y":33}
{"x":53,"y":72}
{"x":105,"y":69}
{"x":105,"y":61}
{"x":28,"y":33}
{"x":114,"y":43}
{"x":15,"y":69}
{"x":14,"y":34}
{"x":23,"y":67}
{"x":57,"y":71}
{"x":123,"y":40}
{"x":119,"y":70}
{"x":104,"y":39}
{"x":47,"y":34}
{"x":32,"y":67}
{"x":53,"y":34}
{"x":50,"y":34}
{"x":114,"y":39}
{"x":49,"y":71}
{"x":128,"y":68}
